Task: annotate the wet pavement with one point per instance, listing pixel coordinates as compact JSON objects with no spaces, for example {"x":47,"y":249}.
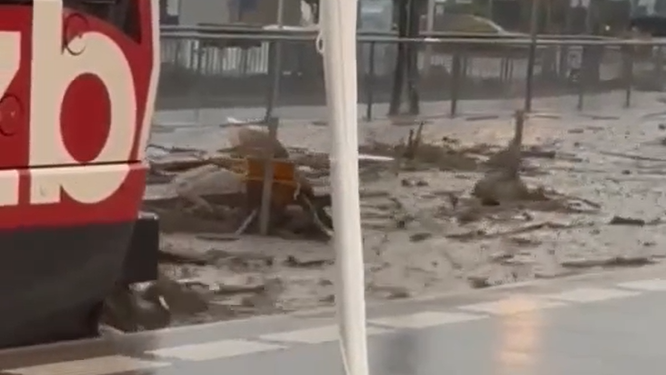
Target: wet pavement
{"x":608,"y":103}
{"x":601,"y":324}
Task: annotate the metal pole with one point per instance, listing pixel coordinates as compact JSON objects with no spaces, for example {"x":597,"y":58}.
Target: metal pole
{"x":370,"y":83}
{"x":277,"y":61}
{"x":280,"y":13}
{"x":659,"y":66}
{"x":588,"y":18}
{"x":456,"y":72}
{"x":531,"y":59}
{"x":195,"y":97}
{"x":338,"y":31}
{"x":430,"y":21}
{"x":267,"y":188}
{"x":628,"y":59}
{"x":430,"y":26}
{"x":275,"y":52}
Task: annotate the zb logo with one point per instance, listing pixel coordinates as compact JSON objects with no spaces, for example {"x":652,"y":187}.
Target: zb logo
{"x":53,"y":69}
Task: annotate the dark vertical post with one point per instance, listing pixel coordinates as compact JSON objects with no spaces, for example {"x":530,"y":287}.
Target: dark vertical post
{"x":275,"y":73}
{"x":370,"y":83}
{"x":628,"y":62}
{"x":195,"y":96}
{"x":659,"y":67}
{"x":413,"y":31}
{"x":456,"y":73}
{"x":401,"y":56}
{"x":531,"y":58}
{"x":267,"y":188}
{"x":274,"y":76}
{"x":582,"y":77}
{"x":564,"y":49}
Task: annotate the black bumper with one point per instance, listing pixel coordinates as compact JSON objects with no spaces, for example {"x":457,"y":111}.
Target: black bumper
{"x":140,"y":263}
{"x":53,"y":280}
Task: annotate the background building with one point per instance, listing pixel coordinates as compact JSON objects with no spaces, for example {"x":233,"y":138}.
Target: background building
{"x":221,"y":12}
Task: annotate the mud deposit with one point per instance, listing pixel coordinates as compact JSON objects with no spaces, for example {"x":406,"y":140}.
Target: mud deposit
{"x":596,"y":180}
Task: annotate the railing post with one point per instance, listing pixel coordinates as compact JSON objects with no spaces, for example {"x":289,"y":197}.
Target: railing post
{"x":195,"y":93}
{"x":628,"y":72}
{"x":659,"y":67}
{"x":504,"y":70}
{"x":370,"y":83}
{"x":413,"y":77}
{"x":267,"y":188}
{"x":531,"y":58}
{"x":529,"y":79}
{"x":582,"y":76}
{"x":456,"y":71}
{"x":430,"y":26}
{"x":274,"y":76}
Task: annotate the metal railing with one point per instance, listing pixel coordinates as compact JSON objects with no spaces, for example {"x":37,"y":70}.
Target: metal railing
{"x":206,"y":67}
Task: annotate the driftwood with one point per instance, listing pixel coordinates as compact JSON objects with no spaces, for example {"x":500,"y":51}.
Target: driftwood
{"x":181,"y":165}
{"x":413,"y":142}
{"x":255,"y":142}
{"x":631,"y":157}
{"x":503,"y":184}
{"x":246,"y":142}
{"x":476,"y":235}
{"x":509,"y":159}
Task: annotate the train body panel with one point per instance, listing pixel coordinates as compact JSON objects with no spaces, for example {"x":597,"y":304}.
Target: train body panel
{"x":77,"y":88}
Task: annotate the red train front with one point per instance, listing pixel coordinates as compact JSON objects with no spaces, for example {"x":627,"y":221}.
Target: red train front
{"x":78,"y":81}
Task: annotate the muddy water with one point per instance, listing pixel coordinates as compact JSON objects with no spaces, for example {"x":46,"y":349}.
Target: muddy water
{"x":422,"y":232}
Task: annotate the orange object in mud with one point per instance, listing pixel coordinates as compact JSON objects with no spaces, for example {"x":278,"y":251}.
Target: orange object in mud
{"x":286,"y":183}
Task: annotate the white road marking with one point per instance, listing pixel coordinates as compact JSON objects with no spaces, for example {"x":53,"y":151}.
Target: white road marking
{"x":314,"y":335}
{"x":512,"y":305}
{"x":215,"y":350}
{"x":583,"y":295}
{"x":654,"y":285}
{"x":426,"y":319}
{"x":93,"y":366}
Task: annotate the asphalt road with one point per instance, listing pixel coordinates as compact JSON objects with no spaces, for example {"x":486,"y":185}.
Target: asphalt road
{"x":598,"y":325}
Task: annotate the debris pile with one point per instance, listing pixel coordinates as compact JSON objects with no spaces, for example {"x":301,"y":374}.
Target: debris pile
{"x":502,"y":183}
{"x":437,"y":213}
{"x":226,"y":188}
{"x":218,"y":197}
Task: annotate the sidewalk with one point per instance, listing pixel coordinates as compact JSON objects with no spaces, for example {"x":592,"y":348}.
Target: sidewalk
{"x":607,"y":324}
{"x":593,"y":103}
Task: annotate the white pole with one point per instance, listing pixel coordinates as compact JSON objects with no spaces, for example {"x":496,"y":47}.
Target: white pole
{"x":430,"y":20}
{"x":280,"y":13}
{"x":338,"y":28}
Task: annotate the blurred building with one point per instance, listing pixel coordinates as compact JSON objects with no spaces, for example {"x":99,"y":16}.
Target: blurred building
{"x":220,"y":12}
{"x":265,"y":12}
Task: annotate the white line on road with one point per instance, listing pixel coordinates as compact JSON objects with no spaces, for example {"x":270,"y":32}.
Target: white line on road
{"x":654,"y":285}
{"x":314,"y":335}
{"x":215,"y":350}
{"x":583,"y":295}
{"x":426,"y":319}
{"x":513,"y":305}
{"x":92,"y":366}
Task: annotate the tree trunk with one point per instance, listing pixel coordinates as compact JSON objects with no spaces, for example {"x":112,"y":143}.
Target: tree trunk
{"x":406,"y":66}
{"x":401,"y":56}
{"x":413,"y":30}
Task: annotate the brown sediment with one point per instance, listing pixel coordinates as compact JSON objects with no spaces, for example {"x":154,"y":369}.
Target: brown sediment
{"x":432,"y":232}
